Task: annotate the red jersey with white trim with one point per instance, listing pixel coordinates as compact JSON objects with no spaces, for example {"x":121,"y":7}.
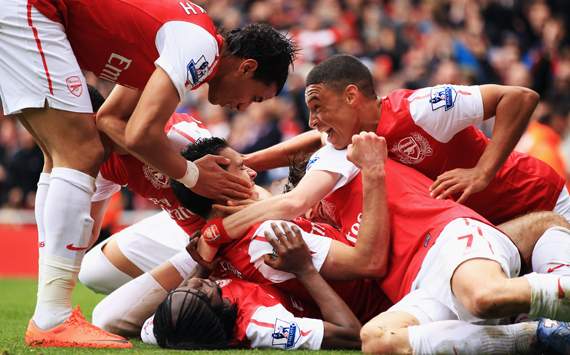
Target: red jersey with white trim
{"x":148,"y":182}
{"x":269,"y":318}
{"x":432,"y":131}
{"x":416,"y":219}
{"x":122,"y":40}
{"x":244,"y":259}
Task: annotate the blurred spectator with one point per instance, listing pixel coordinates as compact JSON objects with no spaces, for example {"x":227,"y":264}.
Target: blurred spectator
{"x":543,"y":138}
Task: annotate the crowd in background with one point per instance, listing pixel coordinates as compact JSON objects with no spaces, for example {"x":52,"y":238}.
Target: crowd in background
{"x":405,"y":43}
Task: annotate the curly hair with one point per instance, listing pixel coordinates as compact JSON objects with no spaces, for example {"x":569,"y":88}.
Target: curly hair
{"x":187,"y":320}
{"x":273,"y":51}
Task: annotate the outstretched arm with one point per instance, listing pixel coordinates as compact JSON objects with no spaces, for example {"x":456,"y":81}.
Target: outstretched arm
{"x":342,"y":328}
{"x":314,"y":186}
{"x":512,"y":107}
{"x":280,"y":154}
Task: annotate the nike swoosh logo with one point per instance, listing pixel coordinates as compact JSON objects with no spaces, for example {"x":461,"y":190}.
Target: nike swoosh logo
{"x":74,"y":248}
{"x":556,"y":267}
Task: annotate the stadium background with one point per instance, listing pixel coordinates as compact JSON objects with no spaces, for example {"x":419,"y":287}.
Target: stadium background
{"x":405,"y":43}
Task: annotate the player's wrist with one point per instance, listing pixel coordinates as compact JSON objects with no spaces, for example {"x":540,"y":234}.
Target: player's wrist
{"x":190,"y":178}
{"x":214,"y":233}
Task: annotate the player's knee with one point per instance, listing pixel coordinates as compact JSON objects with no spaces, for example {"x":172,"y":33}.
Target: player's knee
{"x":484,"y":302}
{"x":377,"y":341}
{"x":99,"y":274}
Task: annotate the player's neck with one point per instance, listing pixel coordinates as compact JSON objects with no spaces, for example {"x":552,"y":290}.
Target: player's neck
{"x":370,"y":115}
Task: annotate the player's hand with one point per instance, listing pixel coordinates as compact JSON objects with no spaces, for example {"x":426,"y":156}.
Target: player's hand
{"x":367,"y":151}
{"x":232,"y":207}
{"x":459,"y":182}
{"x":192,"y":249}
{"x":216,"y":183}
{"x":290,"y":253}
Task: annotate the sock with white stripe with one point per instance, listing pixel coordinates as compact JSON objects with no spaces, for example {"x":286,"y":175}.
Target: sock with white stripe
{"x":68,"y":227}
{"x":459,"y":337}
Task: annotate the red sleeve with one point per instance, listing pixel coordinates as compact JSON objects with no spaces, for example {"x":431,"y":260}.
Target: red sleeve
{"x":114,"y":169}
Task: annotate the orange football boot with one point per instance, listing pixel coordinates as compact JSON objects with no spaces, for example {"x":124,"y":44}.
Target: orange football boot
{"x":74,"y":332}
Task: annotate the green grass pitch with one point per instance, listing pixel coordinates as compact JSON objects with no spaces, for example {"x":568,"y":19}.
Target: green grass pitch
{"x":17,"y":298}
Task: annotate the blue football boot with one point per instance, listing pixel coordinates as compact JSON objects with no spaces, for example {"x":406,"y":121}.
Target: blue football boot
{"x":553,"y":336}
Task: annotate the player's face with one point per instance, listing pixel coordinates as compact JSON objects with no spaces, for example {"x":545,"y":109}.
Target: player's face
{"x":236,"y":92}
{"x":209,"y":288}
{"x":330,"y":112}
{"x":237,"y":166}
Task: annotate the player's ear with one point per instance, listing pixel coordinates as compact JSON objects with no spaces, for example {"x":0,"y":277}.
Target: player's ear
{"x":248,"y":67}
{"x":350,"y":94}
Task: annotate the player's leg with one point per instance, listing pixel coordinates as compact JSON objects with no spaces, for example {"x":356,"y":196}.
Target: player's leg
{"x":483,"y":282}
{"x":538,"y":237}
{"x":131,"y":252}
{"x":387,"y":333}
{"x":40,"y":81}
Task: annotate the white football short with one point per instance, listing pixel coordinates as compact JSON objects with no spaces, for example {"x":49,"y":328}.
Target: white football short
{"x":150,"y":242}
{"x":37,"y":64}
{"x":431,"y":298}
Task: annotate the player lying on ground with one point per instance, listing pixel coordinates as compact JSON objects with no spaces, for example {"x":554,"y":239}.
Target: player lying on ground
{"x":432,"y":130}
{"x":203,"y":314}
{"x":489,"y":256}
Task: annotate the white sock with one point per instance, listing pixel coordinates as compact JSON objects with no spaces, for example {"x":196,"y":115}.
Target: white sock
{"x":551,"y":254}
{"x":41,"y":194}
{"x":99,"y":274}
{"x":549,"y":296}
{"x":124,"y":311}
{"x":459,"y":337}
{"x":68,"y":226}
{"x":184,"y":264}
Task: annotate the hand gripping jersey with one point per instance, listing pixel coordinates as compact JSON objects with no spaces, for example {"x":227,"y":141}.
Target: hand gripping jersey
{"x":122,"y":41}
{"x":416,"y":219}
{"x":266,"y":318}
{"x":432,"y":131}
{"x":244,"y":259}
{"x":144,"y":180}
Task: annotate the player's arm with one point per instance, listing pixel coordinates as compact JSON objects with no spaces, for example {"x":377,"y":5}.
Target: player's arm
{"x":314,"y":186}
{"x":280,"y":154}
{"x":512,"y":107}
{"x":341,"y":327}
{"x":369,"y":257}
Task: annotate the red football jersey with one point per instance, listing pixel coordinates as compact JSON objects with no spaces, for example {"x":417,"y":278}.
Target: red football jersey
{"x":148,"y":182}
{"x":244,"y":259}
{"x":416,"y":219}
{"x":122,"y":41}
{"x":432,"y":131}
{"x":268,"y":317}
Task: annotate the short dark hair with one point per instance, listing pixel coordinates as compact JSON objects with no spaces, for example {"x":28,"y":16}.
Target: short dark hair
{"x":273,"y":51}
{"x":200,"y":205}
{"x":97,"y":99}
{"x":342,"y":70}
{"x":193,"y":323}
